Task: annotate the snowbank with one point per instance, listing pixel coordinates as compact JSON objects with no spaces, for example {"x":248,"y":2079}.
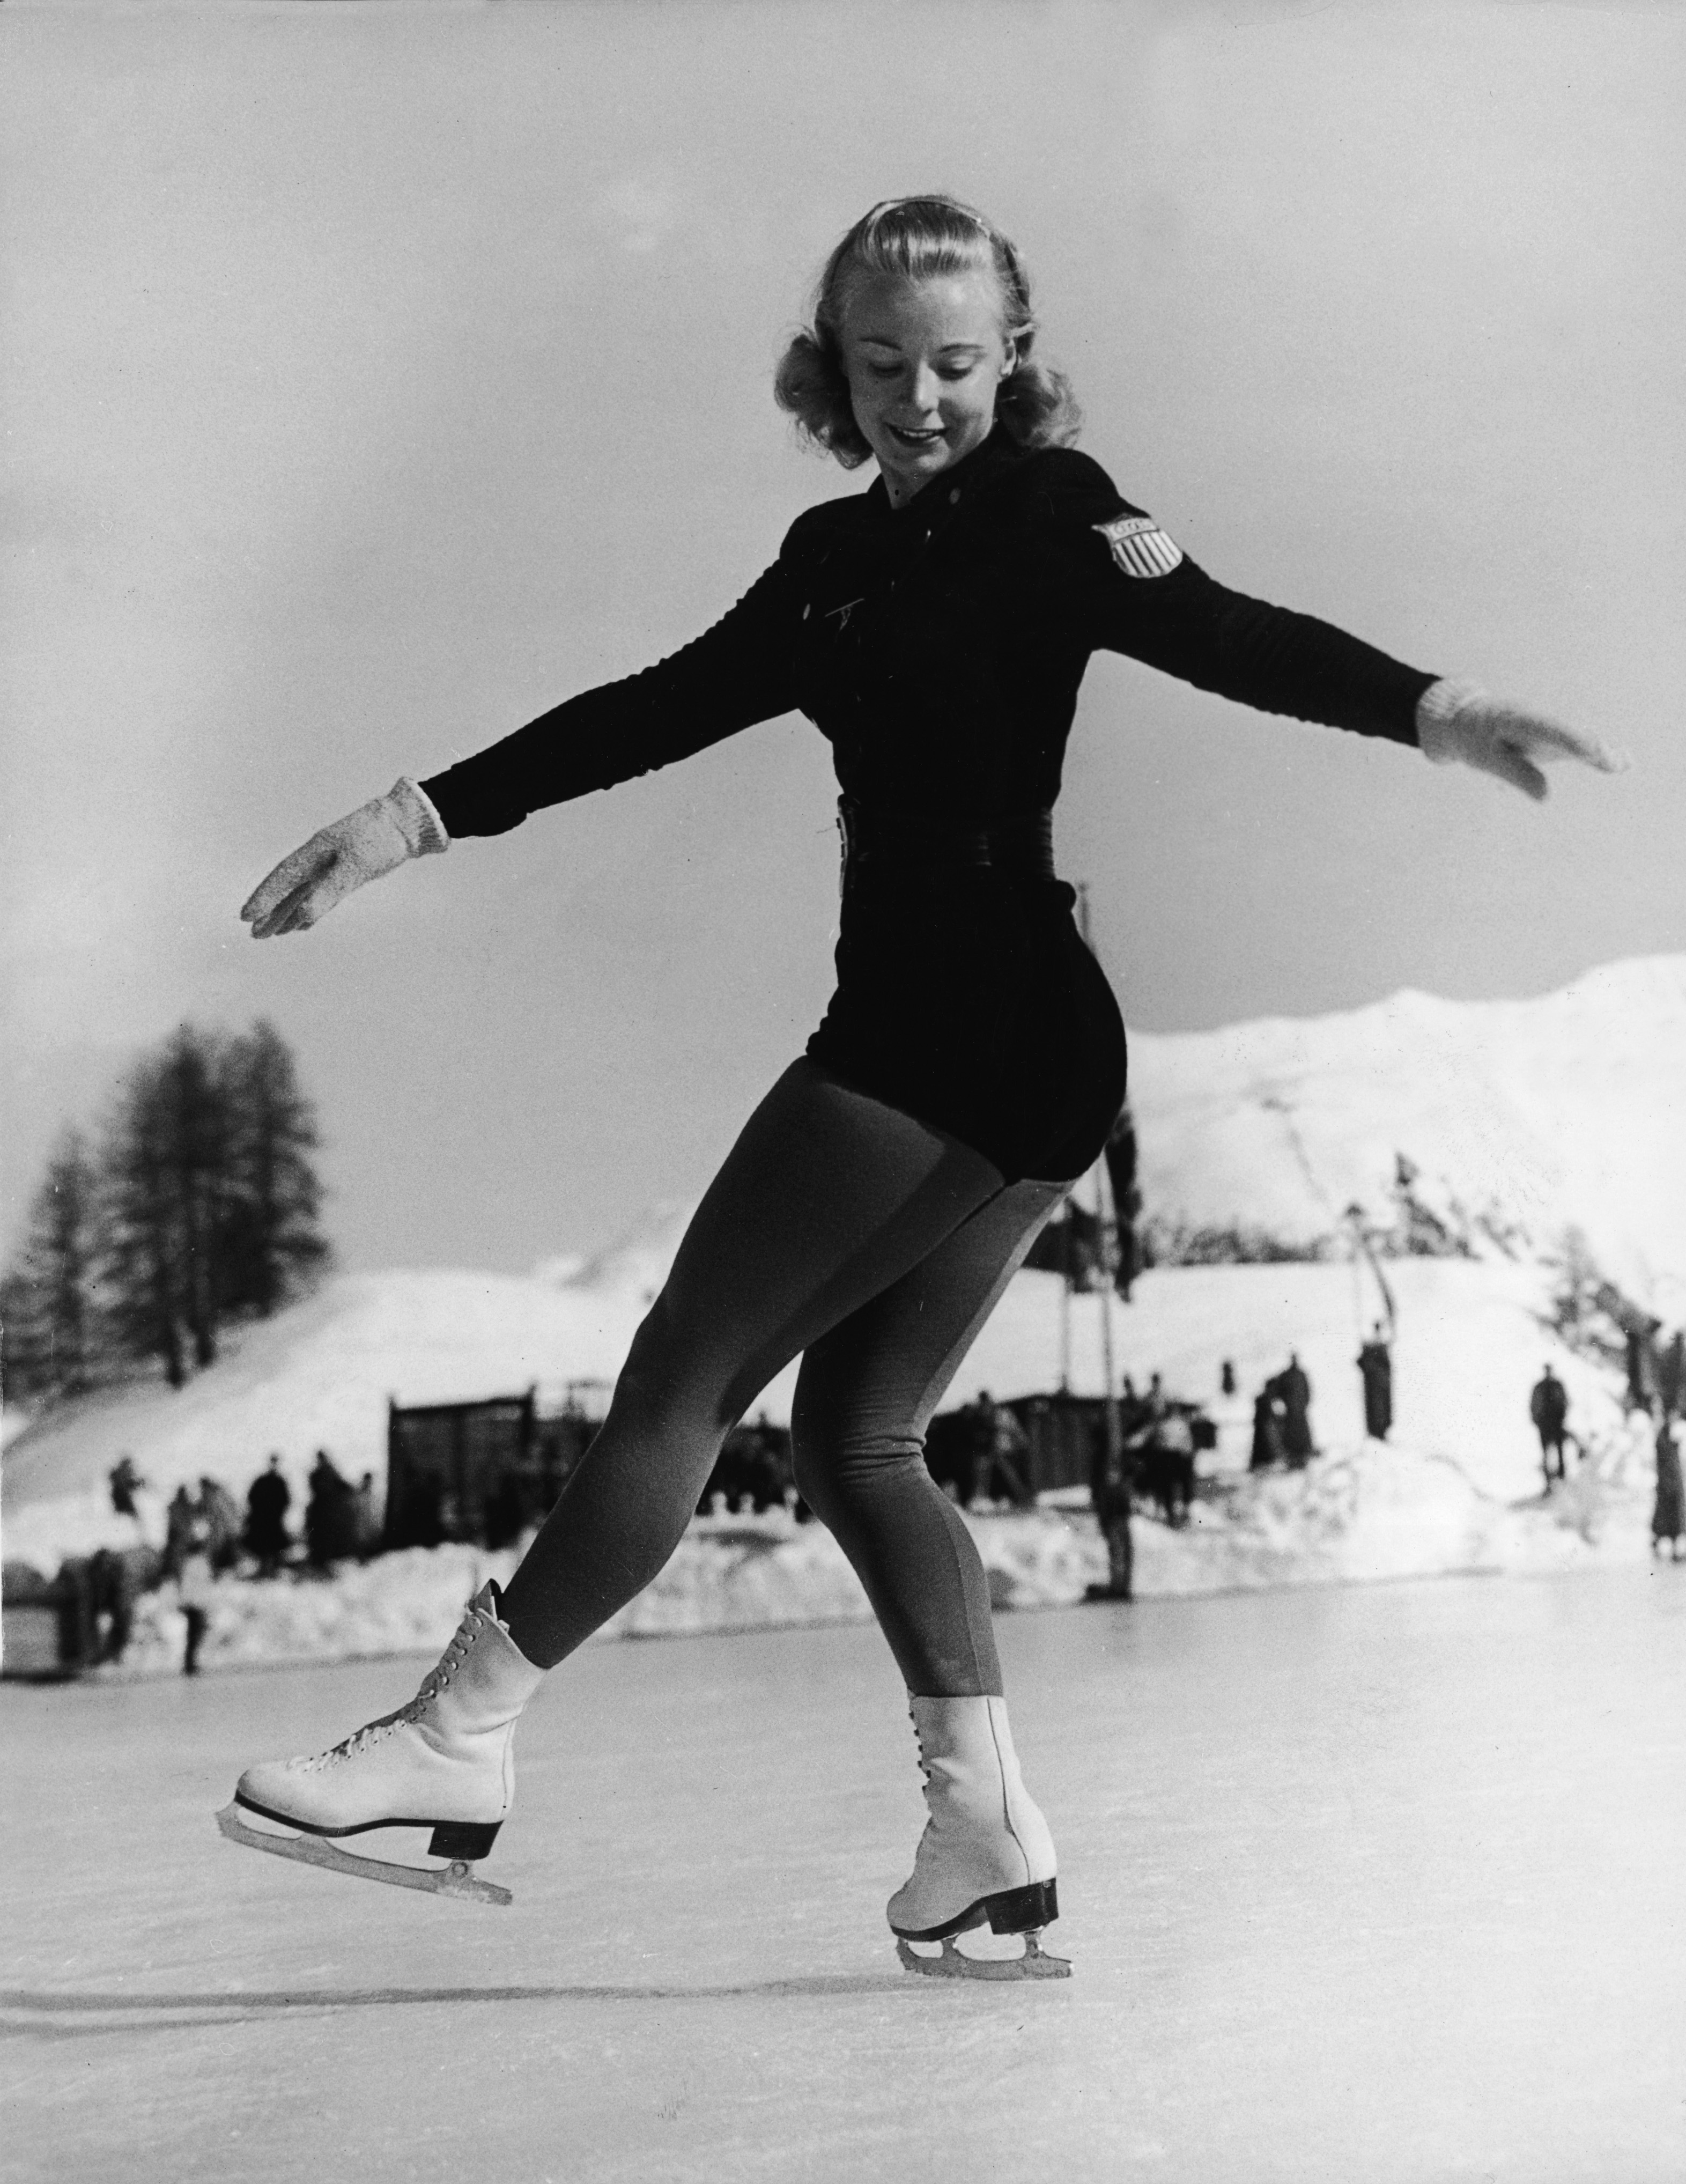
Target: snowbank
{"x":1363,"y":1514}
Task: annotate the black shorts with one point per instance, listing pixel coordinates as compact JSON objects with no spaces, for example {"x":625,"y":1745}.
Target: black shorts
{"x":968,"y":999}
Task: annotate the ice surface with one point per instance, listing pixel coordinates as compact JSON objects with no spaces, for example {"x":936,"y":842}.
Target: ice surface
{"x":1379,"y":1883}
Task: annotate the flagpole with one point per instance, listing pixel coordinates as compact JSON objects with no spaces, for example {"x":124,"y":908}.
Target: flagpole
{"x":1106,"y":1225}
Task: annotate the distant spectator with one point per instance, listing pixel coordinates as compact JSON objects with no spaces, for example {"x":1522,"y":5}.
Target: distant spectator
{"x":221,"y":1513}
{"x":1668,"y":1516}
{"x":1295,"y":1390}
{"x":1112,"y":1485}
{"x":1171,"y":1456}
{"x":1670,"y":1374}
{"x":111,"y":1602}
{"x":194,"y":1579}
{"x":1549,"y":1408}
{"x":329,"y":1525}
{"x":182,"y":1527}
{"x":1639,"y":1390}
{"x":1226,"y":1376}
{"x":998,"y":1445}
{"x":366,"y":1518}
{"x":1267,"y":1427}
{"x":1375,"y":1370}
{"x":268,"y":1499}
{"x":125,"y":1482}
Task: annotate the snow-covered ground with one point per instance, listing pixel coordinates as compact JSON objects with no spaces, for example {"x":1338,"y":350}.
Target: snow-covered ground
{"x":1376,"y":1513}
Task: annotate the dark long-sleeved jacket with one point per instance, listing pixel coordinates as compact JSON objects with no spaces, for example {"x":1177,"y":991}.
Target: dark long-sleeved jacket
{"x":939,"y":648}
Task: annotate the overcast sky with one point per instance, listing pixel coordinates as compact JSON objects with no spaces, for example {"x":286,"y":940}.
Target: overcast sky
{"x":378,"y":374}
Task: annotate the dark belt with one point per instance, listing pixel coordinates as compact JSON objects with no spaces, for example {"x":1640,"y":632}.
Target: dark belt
{"x":874,"y":841}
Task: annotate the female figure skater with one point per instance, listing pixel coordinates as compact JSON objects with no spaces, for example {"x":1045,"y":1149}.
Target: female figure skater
{"x":935,"y":629}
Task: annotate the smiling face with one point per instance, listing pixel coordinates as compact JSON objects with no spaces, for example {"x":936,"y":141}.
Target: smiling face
{"x":924,"y":359}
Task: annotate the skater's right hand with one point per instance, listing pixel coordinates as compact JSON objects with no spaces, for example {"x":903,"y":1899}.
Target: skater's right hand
{"x":374,"y":840}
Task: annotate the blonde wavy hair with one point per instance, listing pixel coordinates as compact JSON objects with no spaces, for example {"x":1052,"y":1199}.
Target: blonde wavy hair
{"x":918,"y":237}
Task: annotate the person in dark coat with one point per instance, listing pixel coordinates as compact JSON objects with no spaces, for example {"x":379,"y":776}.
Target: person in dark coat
{"x":182,"y":1526}
{"x":268,"y":1499}
{"x":1112,"y":1480}
{"x":366,"y":1518}
{"x":330,"y":1515}
{"x":998,"y":1448}
{"x":1375,"y":1370}
{"x":1297,"y":1445}
{"x":1267,"y":1425}
{"x":1549,"y":1408}
{"x":125,"y":1482}
{"x":1669,"y":1512}
{"x":111,"y":1591}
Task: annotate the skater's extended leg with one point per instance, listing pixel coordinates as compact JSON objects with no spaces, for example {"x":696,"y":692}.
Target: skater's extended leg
{"x":864,"y":1399}
{"x":827,"y":1199}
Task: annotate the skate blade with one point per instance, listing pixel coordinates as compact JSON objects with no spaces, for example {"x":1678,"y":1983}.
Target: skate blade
{"x":954,"y":1963}
{"x":456,"y":1879}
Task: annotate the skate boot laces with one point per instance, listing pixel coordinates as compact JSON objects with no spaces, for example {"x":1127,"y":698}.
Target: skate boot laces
{"x":374,"y":1732}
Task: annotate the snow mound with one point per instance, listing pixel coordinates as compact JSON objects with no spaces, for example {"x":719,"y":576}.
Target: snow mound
{"x":1357,"y":1516}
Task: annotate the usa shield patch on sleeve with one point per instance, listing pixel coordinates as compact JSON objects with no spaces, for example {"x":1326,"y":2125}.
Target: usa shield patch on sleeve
{"x":1139,"y":546}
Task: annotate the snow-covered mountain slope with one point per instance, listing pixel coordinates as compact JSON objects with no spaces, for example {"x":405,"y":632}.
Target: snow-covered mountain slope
{"x":1566,"y":1111}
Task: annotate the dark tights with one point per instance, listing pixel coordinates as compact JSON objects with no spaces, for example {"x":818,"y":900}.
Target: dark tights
{"x":842,"y":1229}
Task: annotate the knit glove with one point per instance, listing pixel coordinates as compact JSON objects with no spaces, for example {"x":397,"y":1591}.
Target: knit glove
{"x":1459,"y":722}
{"x":374,"y":840}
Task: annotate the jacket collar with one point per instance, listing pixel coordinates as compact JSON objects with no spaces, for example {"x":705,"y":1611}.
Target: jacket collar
{"x":959,"y":480}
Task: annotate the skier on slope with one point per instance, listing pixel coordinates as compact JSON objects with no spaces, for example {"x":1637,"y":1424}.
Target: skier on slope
{"x":969,"y":1068}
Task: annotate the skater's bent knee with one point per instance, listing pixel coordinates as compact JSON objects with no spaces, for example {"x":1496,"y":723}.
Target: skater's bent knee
{"x":830,"y":1469}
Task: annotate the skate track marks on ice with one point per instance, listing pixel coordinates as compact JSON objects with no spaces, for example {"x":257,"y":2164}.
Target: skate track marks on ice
{"x":1380,"y":1883}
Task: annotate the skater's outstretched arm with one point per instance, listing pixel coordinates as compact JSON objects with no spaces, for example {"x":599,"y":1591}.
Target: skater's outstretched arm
{"x":735,"y":674}
{"x":1131,"y":589}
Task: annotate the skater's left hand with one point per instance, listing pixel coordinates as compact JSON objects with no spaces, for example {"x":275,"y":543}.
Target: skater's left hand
{"x":1459,"y":722}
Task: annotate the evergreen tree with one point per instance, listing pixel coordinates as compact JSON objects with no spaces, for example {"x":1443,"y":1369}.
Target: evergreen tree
{"x":157,"y":1224}
{"x":200,"y":1208}
{"x":51,"y":1316}
{"x":271,"y":1247}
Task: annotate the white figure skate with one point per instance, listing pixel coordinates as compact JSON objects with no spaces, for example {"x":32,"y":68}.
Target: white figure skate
{"x":443,"y":1761}
{"x":986,"y":1856}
